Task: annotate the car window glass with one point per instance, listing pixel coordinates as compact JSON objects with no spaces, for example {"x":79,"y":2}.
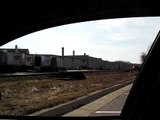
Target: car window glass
{"x":82,"y":57}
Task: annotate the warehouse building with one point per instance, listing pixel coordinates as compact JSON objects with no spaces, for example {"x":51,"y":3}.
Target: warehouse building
{"x":11,"y":59}
{"x":20,"y":60}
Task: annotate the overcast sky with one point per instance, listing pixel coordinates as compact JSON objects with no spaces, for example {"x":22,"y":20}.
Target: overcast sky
{"x":113,"y":39}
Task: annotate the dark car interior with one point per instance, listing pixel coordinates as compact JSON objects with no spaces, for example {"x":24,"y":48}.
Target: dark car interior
{"x":24,"y":17}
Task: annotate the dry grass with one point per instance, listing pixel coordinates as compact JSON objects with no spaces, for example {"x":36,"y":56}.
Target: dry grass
{"x":23,"y":97}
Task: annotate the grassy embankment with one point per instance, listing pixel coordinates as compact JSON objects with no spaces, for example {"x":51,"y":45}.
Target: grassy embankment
{"x":23,"y":97}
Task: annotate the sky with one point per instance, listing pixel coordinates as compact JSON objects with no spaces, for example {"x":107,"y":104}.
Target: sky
{"x":111,"y":39}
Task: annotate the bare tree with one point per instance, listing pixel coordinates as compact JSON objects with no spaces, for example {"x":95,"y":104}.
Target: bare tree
{"x":143,"y":56}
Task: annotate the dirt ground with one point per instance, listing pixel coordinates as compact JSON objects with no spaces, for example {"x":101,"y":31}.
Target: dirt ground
{"x":23,"y":97}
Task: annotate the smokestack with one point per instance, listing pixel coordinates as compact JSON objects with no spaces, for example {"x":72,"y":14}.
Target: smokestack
{"x":62,"y":51}
{"x":16,"y":48}
{"x":73,"y":53}
{"x":84,"y":54}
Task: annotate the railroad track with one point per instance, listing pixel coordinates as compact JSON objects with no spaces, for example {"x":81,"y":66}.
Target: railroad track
{"x":46,"y":73}
{"x":65,"y":75}
{"x":15,"y":76}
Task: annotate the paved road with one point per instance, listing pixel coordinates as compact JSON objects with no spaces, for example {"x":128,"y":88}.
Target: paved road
{"x":108,"y":105}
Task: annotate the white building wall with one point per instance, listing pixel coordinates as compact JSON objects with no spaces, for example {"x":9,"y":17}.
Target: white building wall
{"x":17,"y":59}
{"x":77,"y":63}
{"x":23,"y":59}
{"x":14,"y":58}
{"x":45,"y":61}
{"x":106,"y":65}
{"x":59,"y":61}
{"x":67,"y":62}
{"x":94,"y":63}
{"x":10,"y":60}
{"x":115,"y":66}
{"x":29,"y":60}
{"x":3,"y":58}
{"x":72,"y":63}
{"x":90,"y":62}
{"x":99,"y":63}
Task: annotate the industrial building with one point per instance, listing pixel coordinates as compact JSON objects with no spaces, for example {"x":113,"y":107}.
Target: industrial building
{"x":21,"y":60}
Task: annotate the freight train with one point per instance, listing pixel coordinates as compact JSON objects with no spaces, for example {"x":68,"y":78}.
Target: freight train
{"x":19,"y":62}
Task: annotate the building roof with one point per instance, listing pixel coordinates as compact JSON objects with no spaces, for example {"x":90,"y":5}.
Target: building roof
{"x":25,"y":51}
{"x":81,"y":56}
{"x":45,"y":55}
